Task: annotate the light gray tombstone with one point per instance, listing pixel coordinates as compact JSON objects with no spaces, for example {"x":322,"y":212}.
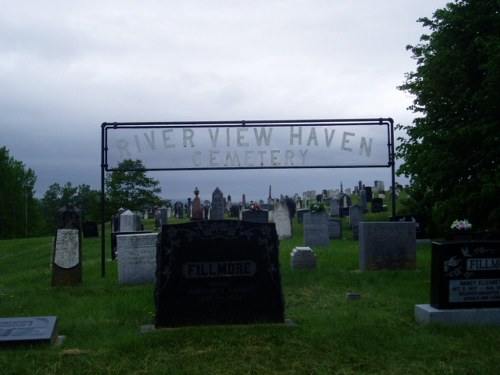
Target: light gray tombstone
{"x":127,"y":221}
{"x":334,"y":207}
{"x":163,"y":215}
{"x":28,"y":330}
{"x":316,"y":229}
{"x":136,"y":258}
{"x":303,"y":258}
{"x":217,"y":205}
{"x":169,"y":212}
{"x":355,"y":215}
{"x":67,"y":248}
{"x":281,"y":217}
{"x":387,"y":245}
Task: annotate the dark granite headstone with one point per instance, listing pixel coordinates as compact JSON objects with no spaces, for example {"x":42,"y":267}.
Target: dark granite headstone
{"x":258,"y":216}
{"x":90,"y":229}
{"x":218,"y":272}
{"x":465,"y":274}
{"x":369,"y":193}
{"x":234,"y":211}
{"x":377,"y":205}
{"x":28,"y":330}
{"x":300,"y":215}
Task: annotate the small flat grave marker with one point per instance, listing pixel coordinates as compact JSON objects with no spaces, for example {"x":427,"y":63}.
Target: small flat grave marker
{"x":28,"y":330}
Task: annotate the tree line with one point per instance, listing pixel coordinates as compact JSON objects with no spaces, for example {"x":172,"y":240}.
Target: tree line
{"x":24,"y":215}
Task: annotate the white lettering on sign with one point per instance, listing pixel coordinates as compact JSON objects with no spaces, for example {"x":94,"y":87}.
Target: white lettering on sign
{"x":219,"y":269}
{"x":247,"y":147}
{"x":483,"y":264}
{"x":477,"y":290}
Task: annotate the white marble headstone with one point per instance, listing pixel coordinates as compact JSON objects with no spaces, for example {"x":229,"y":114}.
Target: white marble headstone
{"x":136,"y":258}
{"x":66,"y":252}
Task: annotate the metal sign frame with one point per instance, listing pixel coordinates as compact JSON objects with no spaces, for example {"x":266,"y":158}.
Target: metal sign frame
{"x":106,"y":127}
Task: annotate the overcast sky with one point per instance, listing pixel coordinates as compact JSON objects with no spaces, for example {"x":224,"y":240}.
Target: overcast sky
{"x":68,"y":66}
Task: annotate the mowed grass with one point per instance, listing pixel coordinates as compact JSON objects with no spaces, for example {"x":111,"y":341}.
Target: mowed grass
{"x":330,"y":334}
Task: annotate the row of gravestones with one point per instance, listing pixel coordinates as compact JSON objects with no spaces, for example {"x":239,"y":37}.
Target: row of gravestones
{"x":201,"y":279}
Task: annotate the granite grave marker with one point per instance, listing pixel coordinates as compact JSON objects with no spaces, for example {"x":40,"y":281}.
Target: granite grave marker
{"x":218,"y":272}
{"x":465,"y":274}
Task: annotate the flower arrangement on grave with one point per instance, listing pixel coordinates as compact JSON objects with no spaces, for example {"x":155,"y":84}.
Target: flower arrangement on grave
{"x":317,"y":207}
{"x":461,"y":225}
{"x":255,"y":207}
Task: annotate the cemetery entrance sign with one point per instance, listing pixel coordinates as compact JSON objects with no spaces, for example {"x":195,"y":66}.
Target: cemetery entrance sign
{"x":275,"y":144}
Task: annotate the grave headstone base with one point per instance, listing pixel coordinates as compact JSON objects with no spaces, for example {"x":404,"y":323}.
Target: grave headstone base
{"x":425,"y":314}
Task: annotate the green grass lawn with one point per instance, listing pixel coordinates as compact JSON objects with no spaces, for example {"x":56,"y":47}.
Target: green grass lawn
{"x":331,"y":334}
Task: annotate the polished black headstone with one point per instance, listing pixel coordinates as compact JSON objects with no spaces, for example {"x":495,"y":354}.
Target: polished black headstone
{"x":28,"y":330}
{"x":465,"y":274}
{"x":218,"y":272}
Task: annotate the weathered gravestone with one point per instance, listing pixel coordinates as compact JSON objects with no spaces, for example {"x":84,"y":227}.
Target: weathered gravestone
{"x":136,"y":258}
{"x":217,"y":205}
{"x":334,"y":207}
{"x":303,"y":258}
{"x":28,"y":330}
{"x":300,"y":215}
{"x":281,"y":216}
{"x":355,"y":217}
{"x":419,"y":223}
{"x":128,"y":222}
{"x":387,"y":245}
{"x":335,"y":228}
{"x":465,"y":274}
{"x":67,"y":250}
{"x":316,"y":229}
{"x":218,"y":272}
{"x":162,"y":215}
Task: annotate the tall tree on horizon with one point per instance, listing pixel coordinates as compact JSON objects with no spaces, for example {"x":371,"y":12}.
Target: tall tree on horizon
{"x":130,"y":188}
{"x":18,"y":209}
{"x":451,"y":152}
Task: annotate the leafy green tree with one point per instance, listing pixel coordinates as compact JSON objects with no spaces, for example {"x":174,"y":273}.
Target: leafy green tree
{"x":18,"y":210}
{"x":451,"y":150}
{"x":55,"y":198}
{"x":130,"y":188}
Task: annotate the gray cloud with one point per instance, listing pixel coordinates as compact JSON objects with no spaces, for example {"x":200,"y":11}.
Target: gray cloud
{"x":66,"y":67}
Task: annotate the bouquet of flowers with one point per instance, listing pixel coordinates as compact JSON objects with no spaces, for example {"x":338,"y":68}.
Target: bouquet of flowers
{"x":255,"y":207}
{"x":461,"y":225}
{"x":317,"y":207}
